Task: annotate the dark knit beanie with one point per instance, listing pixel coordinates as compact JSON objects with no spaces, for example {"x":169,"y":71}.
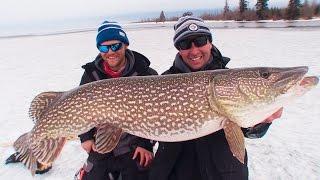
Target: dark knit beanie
{"x":187,"y":26}
{"x":111,"y":31}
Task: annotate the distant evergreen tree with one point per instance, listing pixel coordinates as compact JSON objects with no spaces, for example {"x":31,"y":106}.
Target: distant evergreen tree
{"x":316,"y":8}
{"x":243,"y":6}
{"x":306,"y":10}
{"x":162,"y":18}
{"x":261,"y":9}
{"x":275,"y":13}
{"x":226,"y":11}
{"x":293,"y":9}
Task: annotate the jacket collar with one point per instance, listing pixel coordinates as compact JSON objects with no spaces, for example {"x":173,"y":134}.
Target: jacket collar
{"x":134,"y":59}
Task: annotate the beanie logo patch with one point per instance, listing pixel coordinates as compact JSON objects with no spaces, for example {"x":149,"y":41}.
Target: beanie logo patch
{"x":122,"y":34}
{"x":193,"y":27}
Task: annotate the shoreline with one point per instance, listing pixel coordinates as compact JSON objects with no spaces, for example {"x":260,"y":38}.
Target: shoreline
{"x":312,"y":23}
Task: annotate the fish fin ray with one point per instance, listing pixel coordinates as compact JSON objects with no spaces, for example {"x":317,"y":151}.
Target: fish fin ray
{"x":107,"y":138}
{"x":47,"y":150}
{"x":42,"y":153}
{"x":41,"y":102}
{"x":25,"y":155}
{"x":235,"y":138}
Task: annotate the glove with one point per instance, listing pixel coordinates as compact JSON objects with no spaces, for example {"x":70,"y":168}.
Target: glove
{"x":256,"y":131}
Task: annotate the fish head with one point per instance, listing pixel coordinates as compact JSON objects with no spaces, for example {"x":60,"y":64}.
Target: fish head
{"x":247,"y":96}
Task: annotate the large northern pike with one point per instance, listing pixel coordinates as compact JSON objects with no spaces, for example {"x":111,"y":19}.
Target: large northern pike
{"x":164,"y":108}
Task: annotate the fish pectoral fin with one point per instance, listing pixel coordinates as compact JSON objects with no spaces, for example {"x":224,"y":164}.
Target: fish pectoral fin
{"x":44,"y":151}
{"x":235,"y":138}
{"x":41,"y":102}
{"x":107,"y":137}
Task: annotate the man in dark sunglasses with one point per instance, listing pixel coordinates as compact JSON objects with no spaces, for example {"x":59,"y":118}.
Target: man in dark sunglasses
{"x":208,"y":157}
{"x":132,"y":155}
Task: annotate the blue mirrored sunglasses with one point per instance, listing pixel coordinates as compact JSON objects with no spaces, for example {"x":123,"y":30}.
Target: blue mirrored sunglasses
{"x":114,"y":47}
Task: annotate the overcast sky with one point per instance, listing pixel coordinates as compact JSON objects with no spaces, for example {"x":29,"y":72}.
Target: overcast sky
{"x":30,"y":10}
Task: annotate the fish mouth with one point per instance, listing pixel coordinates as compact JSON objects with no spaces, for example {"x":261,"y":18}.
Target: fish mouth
{"x":300,"y":83}
{"x":298,"y":73}
{"x":292,"y":77}
{"x":304,"y":85}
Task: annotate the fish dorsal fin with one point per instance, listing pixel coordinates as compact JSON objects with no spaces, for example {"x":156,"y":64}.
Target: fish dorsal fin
{"x":41,"y":102}
{"x":107,"y":138}
{"x":44,"y":151}
{"x":235,"y":138}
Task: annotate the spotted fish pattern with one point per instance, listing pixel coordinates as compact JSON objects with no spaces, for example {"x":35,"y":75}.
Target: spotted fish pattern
{"x":164,"y":108}
{"x":156,"y":107}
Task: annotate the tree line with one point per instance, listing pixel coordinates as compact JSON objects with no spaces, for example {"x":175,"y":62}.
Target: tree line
{"x":294,"y":10}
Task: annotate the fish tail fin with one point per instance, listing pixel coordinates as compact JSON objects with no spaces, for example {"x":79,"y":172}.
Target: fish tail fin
{"x":24,"y":153}
{"x":35,"y":155}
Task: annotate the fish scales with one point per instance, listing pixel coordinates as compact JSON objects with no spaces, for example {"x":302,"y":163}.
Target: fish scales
{"x":145,"y":106}
{"x":164,"y":108}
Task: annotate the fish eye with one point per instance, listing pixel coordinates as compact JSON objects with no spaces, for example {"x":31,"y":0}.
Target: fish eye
{"x":264,"y":74}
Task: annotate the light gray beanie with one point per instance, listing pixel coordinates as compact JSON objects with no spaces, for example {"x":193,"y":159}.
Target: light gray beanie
{"x":189,"y":26}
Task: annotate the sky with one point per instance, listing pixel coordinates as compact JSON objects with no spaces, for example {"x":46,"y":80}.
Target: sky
{"x":13,"y":11}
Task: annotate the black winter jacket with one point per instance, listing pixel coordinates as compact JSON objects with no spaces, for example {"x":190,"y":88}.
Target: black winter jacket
{"x":205,"y":158}
{"x":137,"y":65}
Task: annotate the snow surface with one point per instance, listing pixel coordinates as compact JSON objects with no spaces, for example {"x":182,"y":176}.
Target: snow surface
{"x":31,"y":65}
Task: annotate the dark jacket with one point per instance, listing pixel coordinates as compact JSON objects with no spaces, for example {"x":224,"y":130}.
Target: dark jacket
{"x":205,"y":158}
{"x":137,"y":65}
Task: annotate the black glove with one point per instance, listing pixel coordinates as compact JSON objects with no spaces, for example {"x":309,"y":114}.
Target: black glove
{"x":256,"y":131}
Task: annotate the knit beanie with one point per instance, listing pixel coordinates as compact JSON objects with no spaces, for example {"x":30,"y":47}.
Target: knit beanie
{"x":189,"y":26}
{"x":111,"y":31}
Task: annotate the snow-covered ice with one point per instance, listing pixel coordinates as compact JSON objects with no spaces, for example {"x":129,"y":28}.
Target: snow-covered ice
{"x":30,"y":65}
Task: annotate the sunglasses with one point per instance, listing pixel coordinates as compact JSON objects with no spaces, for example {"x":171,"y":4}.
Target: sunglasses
{"x":187,"y":43}
{"x":114,"y":47}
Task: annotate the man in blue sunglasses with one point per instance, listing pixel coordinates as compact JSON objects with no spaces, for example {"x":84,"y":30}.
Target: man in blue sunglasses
{"x":208,"y":157}
{"x":133,"y":154}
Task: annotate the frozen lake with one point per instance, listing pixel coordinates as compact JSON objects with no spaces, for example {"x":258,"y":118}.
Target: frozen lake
{"x":30,"y":65}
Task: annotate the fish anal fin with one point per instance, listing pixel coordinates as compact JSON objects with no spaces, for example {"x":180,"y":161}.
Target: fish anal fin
{"x":48,"y":149}
{"x":235,"y":138}
{"x":41,"y":102}
{"x":107,"y":138}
